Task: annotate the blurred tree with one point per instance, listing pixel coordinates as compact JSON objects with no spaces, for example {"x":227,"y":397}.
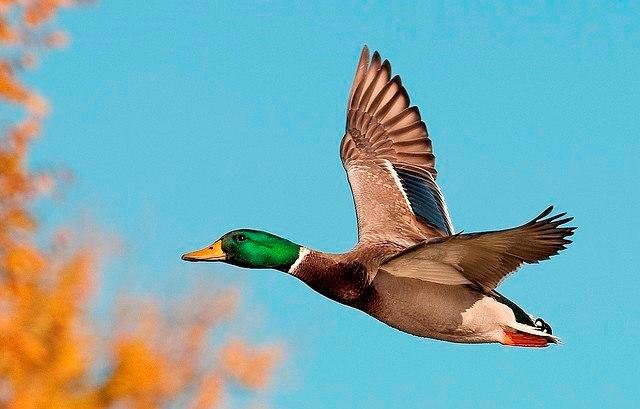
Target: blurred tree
{"x":49,"y":352}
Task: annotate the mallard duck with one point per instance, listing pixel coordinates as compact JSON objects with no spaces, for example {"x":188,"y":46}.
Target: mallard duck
{"x":409,"y":269}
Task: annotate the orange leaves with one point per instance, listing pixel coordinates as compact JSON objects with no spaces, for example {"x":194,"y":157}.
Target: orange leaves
{"x":7,"y":33}
{"x":13,"y":91}
{"x":57,"y":39}
{"x":23,"y":262}
{"x":158,"y":356}
{"x":25,"y":39}
{"x":48,"y":347}
{"x":43,"y":349}
{"x":10,"y":88}
{"x":250,"y":366}
{"x":30,"y":347}
{"x":5,"y":5}
{"x":73,"y":279}
{"x":139,"y":374}
{"x":18,"y":219}
{"x":40,"y":11}
{"x":210,"y":390}
{"x":25,"y":131}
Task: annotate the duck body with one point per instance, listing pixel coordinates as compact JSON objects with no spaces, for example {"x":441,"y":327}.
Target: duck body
{"x":409,"y":269}
{"x":455,"y":313}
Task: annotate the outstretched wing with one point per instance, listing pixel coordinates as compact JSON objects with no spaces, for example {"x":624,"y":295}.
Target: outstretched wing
{"x":387,"y":154}
{"x":484,"y":259}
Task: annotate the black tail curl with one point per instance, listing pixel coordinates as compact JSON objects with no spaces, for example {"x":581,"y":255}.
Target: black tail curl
{"x":543,"y":326}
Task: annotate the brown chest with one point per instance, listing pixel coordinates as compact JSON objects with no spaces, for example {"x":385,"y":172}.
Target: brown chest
{"x":341,"y":281}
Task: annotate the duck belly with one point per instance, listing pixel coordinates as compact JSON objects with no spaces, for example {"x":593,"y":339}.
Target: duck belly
{"x":453,"y":313}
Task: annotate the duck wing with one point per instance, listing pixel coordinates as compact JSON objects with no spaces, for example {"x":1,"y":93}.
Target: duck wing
{"x":483,"y":259}
{"x":387,"y":154}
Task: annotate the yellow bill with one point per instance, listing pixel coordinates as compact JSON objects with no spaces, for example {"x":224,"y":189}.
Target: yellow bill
{"x":212,"y":253}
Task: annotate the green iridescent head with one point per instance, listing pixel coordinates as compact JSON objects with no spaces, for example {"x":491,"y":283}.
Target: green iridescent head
{"x":250,"y":249}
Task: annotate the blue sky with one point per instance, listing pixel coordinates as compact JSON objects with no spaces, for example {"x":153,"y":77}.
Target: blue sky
{"x":183,"y":120}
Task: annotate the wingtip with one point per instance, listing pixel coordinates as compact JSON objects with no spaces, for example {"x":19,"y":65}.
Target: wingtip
{"x":545,"y":212}
{"x":376,"y":61}
{"x":562,"y":221}
{"x":364,"y":54}
{"x":405,"y":94}
{"x":555,"y":221}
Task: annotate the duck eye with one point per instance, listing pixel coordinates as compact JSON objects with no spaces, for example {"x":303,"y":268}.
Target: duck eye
{"x":241,"y":237}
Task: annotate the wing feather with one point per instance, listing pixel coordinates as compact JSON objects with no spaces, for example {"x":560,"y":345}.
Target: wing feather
{"x":487,"y":258}
{"x":383,"y":128}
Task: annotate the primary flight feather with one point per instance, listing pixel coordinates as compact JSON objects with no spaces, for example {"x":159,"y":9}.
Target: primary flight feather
{"x":409,"y":269}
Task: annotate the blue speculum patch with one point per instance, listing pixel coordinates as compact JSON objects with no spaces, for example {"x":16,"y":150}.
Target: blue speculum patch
{"x":424,"y":198}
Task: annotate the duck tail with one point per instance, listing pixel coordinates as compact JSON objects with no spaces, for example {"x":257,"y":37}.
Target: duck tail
{"x":521,"y":335}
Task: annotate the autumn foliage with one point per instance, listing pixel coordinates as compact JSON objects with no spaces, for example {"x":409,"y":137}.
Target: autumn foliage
{"x":51,"y":354}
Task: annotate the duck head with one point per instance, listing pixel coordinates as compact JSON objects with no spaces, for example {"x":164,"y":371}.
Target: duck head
{"x":250,"y":249}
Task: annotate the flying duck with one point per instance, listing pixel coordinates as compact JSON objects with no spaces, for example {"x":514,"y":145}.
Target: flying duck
{"x":409,"y":269}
